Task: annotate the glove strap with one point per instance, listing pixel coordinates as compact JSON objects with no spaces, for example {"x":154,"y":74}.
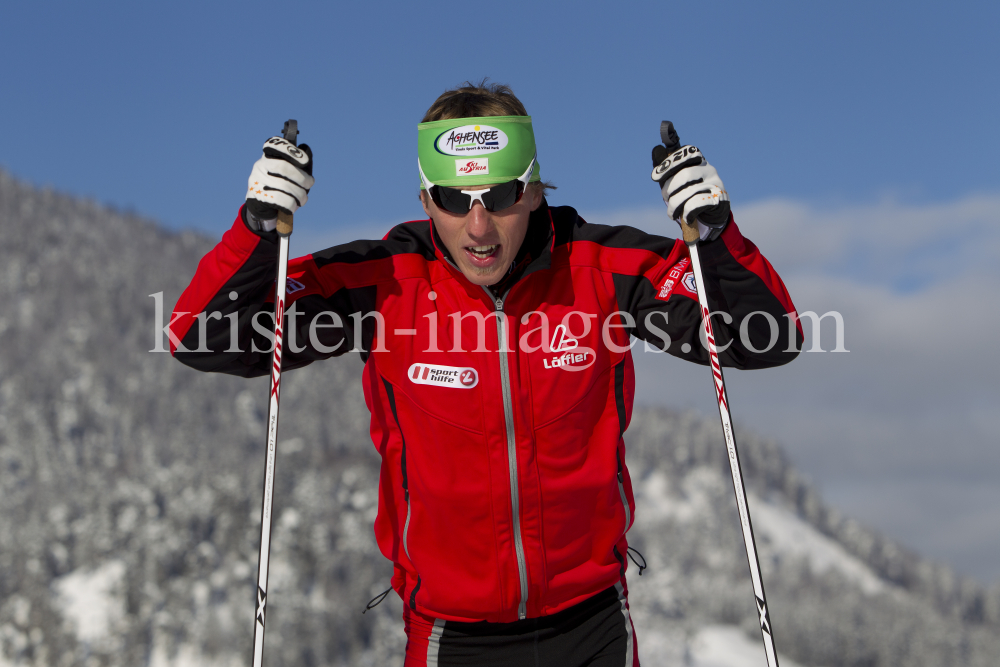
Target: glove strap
{"x":686,"y":156}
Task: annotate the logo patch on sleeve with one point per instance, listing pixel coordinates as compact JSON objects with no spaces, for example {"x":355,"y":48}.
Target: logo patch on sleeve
{"x":689,"y":283}
{"x":674,"y":275}
{"x":665,"y":289}
{"x":443,"y":376}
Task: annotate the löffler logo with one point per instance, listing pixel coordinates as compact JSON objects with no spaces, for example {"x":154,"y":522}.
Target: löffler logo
{"x":573,"y":357}
{"x":472,"y":167}
{"x":443,"y":376}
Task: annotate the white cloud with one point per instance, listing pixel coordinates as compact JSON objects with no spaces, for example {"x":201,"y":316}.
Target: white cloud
{"x":878,"y":242}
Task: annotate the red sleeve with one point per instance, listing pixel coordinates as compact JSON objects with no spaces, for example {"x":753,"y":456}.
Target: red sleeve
{"x":223,"y":322}
{"x":215,"y":270}
{"x":654,"y":283}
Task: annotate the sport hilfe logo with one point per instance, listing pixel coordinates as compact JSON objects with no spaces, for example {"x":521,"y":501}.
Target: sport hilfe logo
{"x":443,"y":376}
{"x":472,"y":167}
{"x":471,"y":140}
{"x":573,"y":357}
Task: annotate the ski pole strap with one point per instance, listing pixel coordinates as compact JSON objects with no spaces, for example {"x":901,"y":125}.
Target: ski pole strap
{"x":291,"y":131}
{"x":377,"y":600}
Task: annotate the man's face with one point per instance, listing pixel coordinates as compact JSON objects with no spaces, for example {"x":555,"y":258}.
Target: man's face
{"x":483,"y":244}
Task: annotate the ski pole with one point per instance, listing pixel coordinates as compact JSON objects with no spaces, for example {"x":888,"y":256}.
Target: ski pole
{"x":691,"y":237}
{"x":284,"y":227}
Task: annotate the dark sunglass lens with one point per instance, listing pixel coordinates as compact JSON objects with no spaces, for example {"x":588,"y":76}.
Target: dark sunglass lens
{"x":503,"y":196}
{"x":451,"y":200}
{"x":454,"y":200}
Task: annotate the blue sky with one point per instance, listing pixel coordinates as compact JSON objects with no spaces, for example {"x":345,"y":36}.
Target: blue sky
{"x":161,"y":107}
{"x":856,"y":140}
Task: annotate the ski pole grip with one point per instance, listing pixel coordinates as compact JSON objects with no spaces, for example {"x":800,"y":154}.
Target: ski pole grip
{"x":690,"y":231}
{"x":284,"y":225}
{"x":668,"y":135}
{"x":291,"y":133}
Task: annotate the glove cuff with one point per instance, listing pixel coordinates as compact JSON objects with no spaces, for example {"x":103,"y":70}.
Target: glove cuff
{"x":707,"y":233}
{"x":259,"y":221}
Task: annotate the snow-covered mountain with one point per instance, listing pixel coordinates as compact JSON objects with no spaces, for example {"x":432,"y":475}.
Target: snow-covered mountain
{"x":838,"y":593}
{"x":129,"y":499}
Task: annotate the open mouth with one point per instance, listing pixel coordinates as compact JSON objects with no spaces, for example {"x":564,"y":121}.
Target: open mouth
{"x":483,"y":256}
{"x":483,"y":251}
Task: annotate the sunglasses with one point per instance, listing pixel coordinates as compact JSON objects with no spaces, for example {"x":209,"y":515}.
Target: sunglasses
{"x":497,"y":198}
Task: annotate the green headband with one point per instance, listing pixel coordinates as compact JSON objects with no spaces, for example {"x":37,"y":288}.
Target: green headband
{"x":476,"y":151}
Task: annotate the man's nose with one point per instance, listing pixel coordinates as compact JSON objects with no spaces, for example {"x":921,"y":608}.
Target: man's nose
{"x":477,"y":222}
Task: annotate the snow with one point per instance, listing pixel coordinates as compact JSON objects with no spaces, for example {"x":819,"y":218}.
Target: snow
{"x":791,"y":536}
{"x":91,"y":600}
{"x":188,"y":656}
{"x":777,"y":529}
{"x":709,"y":646}
{"x":661,"y":501}
{"x":727,"y":646}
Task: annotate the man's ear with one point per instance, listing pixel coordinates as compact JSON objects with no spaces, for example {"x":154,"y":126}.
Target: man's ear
{"x":423,"y":202}
{"x":537,"y":194}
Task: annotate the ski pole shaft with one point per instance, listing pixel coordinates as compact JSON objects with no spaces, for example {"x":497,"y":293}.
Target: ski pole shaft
{"x":284,"y":227}
{"x":734,"y":462}
{"x":691,"y":237}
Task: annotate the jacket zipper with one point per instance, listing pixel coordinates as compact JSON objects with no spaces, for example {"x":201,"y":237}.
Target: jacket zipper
{"x":508,"y":413}
{"x":406,"y":488}
{"x":406,"y":526}
{"x":620,"y":405}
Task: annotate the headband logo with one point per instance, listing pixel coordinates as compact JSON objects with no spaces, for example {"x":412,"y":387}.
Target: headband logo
{"x":471,"y":140}
{"x":472,"y":167}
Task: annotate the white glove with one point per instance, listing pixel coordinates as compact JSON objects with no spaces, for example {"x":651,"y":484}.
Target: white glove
{"x":280,"y":179}
{"x":692,"y":190}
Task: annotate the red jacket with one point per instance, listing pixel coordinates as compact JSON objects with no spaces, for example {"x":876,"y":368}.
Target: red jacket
{"x":503,"y":490}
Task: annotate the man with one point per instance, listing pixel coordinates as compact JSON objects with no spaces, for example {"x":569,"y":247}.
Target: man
{"x":498,"y":373}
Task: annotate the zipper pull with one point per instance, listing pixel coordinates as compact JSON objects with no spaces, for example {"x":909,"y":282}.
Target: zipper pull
{"x":499,"y":305}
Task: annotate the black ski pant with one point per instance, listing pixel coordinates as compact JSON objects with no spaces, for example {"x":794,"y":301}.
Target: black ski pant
{"x":597,"y":632}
